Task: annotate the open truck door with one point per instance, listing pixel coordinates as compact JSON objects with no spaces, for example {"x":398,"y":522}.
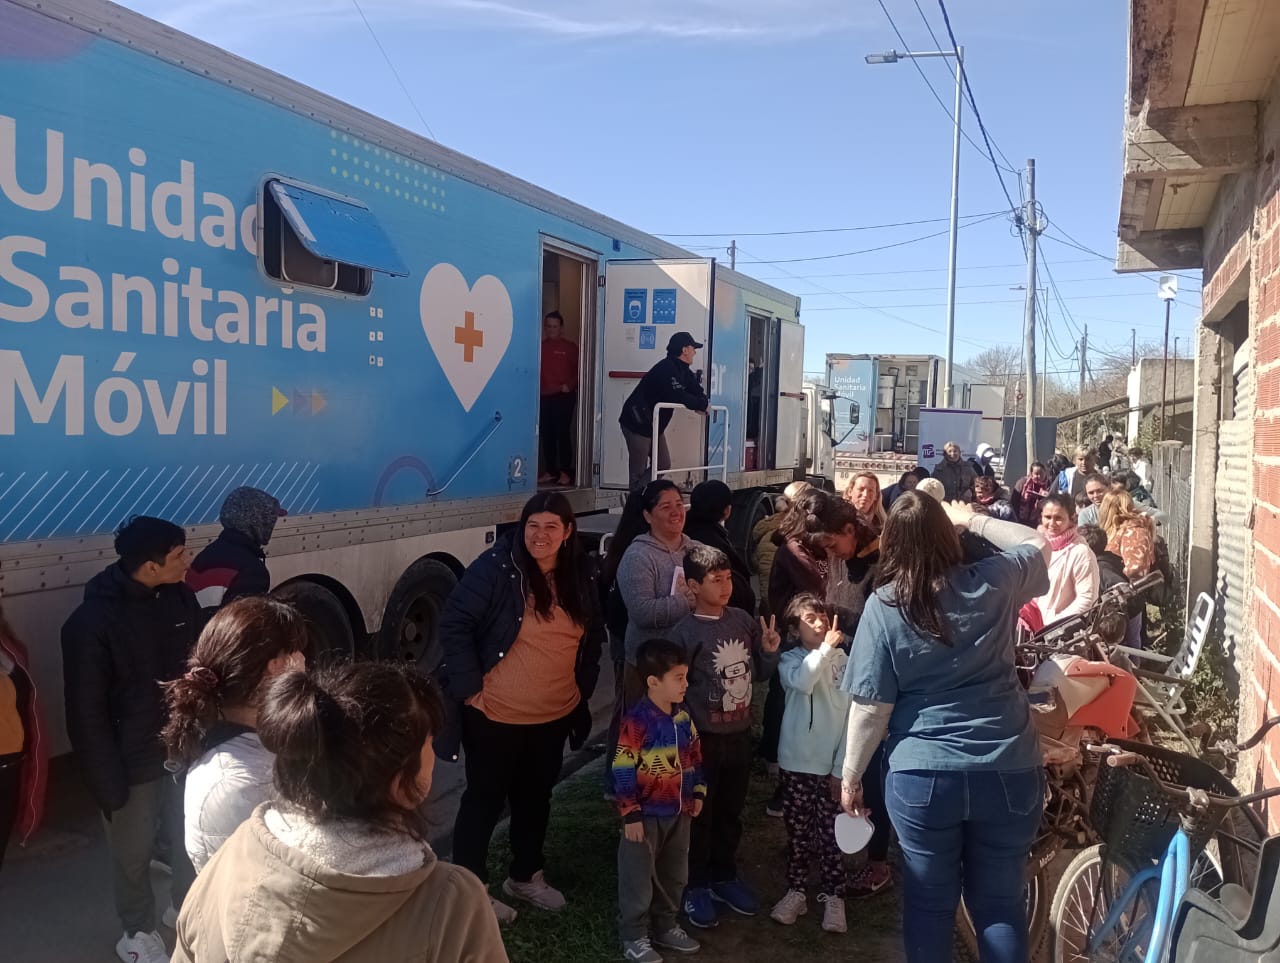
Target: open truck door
{"x":645,"y":303}
{"x":792,"y":415}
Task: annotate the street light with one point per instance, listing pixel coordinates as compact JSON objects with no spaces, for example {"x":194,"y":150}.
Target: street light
{"x":892,"y":57}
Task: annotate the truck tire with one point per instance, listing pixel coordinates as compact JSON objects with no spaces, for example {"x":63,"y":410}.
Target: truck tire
{"x":749,"y":507}
{"x":328,"y":626}
{"x":411,"y":620}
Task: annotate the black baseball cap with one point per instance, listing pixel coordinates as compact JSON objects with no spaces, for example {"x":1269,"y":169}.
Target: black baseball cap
{"x":681,"y":340}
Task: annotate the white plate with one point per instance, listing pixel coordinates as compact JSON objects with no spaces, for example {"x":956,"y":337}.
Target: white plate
{"x":853,"y":832}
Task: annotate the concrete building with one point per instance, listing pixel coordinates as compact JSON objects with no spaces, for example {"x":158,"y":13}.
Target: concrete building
{"x":1201,"y":192}
{"x":1146,"y":381}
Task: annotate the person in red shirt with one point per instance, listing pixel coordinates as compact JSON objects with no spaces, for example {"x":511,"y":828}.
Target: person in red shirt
{"x":559,"y":391}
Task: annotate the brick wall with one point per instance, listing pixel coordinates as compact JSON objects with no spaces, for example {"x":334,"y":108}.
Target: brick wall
{"x":1265,"y":328}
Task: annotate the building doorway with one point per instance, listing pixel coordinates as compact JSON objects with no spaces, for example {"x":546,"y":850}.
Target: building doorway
{"x":566,"y":390}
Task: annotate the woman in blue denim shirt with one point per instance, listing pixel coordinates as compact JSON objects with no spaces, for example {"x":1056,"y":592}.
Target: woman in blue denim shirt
{"x":933,"y":668}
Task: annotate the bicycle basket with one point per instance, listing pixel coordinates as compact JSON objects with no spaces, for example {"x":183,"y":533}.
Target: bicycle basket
{"x":1136,"y":817}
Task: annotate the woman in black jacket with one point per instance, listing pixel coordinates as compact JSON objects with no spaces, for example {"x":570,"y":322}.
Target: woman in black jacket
{"x":522,"y":636}
{"x":709,"y":505}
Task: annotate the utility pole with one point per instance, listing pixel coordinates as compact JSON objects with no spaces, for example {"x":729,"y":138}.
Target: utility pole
{"x":1173,"y":414}
{"x":1133,"y":348}
{"x":733,"y":255}
{"x":1030,"y":221}
{"x":1164,"y":375}
{"x":1084,"y":354}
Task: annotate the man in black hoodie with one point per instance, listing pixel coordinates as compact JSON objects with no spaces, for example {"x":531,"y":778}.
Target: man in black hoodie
{"x":132,"y":633}
{"x":234,"y":564}
{"x":672,"y":381}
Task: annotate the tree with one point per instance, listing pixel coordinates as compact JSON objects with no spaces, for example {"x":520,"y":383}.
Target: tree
{"x":1000,"y":365}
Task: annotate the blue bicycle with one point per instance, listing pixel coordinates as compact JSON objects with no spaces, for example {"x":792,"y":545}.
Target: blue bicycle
{"x":1174,"y":825}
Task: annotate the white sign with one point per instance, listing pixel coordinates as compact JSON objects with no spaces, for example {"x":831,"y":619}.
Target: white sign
{"x":941,"y":425}
{"x":1168,"y":287}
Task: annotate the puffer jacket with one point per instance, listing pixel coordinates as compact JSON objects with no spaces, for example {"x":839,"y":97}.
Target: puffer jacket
{"x":480,"y":623}
{"x":224,"y":786}
{"x":766,"y":549}
{"x":957,"y":479}
{"x":118,"y":647}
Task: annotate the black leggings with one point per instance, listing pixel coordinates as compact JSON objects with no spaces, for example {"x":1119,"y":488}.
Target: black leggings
{"x":507,"y":764}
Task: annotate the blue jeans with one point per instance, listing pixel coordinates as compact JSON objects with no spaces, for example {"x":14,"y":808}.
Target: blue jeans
{"x":970,"y":832}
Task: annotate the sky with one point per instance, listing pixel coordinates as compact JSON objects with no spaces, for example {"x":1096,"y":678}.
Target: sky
{"x":707,"y":121}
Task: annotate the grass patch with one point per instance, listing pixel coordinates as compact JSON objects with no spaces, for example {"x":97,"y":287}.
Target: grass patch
{"x":581,"y":851}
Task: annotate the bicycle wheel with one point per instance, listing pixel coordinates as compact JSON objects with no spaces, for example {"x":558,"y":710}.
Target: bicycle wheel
{"x":1086,"y":893}
{"x":966,"y":939}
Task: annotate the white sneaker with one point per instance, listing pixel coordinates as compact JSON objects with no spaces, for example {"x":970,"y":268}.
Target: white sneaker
{"x":502,"y":911}
{"x":833,"y":920}
{"x":537,"y":891}
{"x":142,"y":948}
{"x":791,"y":907}
{"x":170,"y":917}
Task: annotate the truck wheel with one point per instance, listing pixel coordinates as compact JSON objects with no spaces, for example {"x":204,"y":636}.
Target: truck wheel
{"x":412,"y":617}
{"x":749,"y":507}
{"x":328,"y":626}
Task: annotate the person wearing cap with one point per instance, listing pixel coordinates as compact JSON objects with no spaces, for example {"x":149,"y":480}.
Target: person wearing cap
{"x":234,"y":564}
{"x":981,"y":461}
{"x":670,"y":381}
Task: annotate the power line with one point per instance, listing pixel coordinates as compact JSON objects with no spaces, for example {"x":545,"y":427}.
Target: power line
{"x":1005,"y":284}
{"x":831,"y":230}
{"x":1069,"y":241}
{"x":869,"y":250}
{"x":977,"y":115}
{"x":915,"y":63}
{"x":412,"y":103}
{"x":960,"y":304}
{"x":894,"y":317}
{"x":876,"y":274}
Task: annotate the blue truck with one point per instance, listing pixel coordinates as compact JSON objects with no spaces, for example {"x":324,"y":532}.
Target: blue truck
{"x":213,"y":276}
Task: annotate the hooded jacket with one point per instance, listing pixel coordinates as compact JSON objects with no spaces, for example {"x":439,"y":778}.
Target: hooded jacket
{"x":260,"y":900}
{"x":815,"y":721}
{"x":766,"y":550}
{"x":646,"y":579}
{"x":480,"y":623}
{"x":118,"y":647}
{"x":957,"y":479}
{"x":671,"y":381}
{"x":233,"y":565}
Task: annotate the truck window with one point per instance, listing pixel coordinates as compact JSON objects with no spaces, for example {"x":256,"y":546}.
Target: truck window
{"x":317,"y":239}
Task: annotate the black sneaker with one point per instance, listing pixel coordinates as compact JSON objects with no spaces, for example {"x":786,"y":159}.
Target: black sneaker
{"x":774,"y":806}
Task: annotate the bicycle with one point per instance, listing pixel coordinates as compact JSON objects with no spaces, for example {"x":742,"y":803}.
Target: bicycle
{"x":1161,"y":814}
{"x":1069,"y":777}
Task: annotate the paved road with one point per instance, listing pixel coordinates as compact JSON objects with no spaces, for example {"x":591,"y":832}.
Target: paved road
{"x":55,"y":895}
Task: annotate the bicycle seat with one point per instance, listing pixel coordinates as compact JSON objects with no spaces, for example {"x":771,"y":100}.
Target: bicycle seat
{"x":1235,"y":929}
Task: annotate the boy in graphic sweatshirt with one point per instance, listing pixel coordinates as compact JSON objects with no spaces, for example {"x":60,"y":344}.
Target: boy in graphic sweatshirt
{"x":728,"y":653}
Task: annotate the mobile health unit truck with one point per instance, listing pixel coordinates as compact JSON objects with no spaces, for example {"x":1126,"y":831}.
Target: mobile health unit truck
{"x":212,"y":276}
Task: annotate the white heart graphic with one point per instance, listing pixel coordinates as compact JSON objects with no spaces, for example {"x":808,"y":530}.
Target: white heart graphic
{"x":469,"y":328}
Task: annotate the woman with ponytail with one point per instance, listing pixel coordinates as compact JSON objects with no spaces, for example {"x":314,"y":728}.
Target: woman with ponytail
{"x":338,"y":866}
{"x":213,"y":716}
{"x":522,"y":635}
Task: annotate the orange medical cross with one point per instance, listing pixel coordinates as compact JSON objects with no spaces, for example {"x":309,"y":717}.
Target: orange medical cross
{"x":469,"y":337}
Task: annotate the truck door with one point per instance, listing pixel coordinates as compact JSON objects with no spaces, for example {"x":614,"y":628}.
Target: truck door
{"x":646,"y":302}
{"x":789,"y":339}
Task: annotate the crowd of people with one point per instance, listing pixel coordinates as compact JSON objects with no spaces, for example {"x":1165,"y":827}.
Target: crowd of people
{"x":876,"y":625}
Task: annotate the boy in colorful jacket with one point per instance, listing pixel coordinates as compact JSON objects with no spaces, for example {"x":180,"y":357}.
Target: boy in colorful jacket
{"x":658,"y":787}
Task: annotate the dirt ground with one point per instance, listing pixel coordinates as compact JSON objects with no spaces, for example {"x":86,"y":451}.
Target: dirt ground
{"x":581,"y":848}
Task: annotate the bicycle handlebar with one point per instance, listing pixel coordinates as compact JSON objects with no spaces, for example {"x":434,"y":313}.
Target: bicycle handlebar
{"x":1197,"y":799}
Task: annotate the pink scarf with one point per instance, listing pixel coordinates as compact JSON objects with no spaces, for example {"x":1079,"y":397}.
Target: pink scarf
{"x":1059,"y":542}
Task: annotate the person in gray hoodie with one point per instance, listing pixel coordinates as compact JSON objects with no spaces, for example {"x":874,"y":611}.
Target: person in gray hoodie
{"x":651,"y":573}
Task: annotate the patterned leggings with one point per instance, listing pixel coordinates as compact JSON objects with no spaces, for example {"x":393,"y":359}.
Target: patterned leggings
{"x":810,"y":813}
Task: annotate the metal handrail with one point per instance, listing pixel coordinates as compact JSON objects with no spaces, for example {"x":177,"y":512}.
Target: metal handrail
{"x":497,"y":423}
{"x":654,"y":474}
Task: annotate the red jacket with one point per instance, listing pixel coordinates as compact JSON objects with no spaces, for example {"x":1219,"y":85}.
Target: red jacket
{"x":35,"y":751}
{"x":559,"y":366}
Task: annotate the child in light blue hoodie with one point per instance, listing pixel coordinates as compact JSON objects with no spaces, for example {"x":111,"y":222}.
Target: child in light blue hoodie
{"x":811,"y":757}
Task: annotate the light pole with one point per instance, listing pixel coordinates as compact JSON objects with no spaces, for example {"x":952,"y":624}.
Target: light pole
{"x":892,"y":57}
